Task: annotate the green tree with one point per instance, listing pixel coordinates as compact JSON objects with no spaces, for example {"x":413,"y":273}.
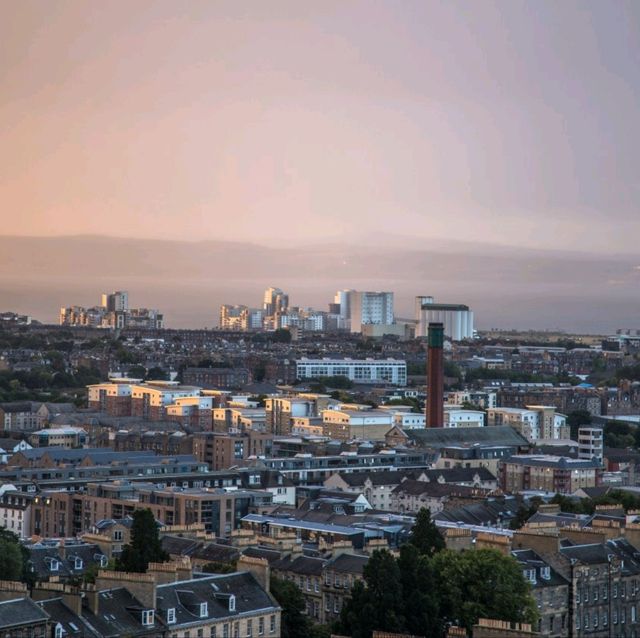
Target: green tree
{"x":11,"y":558}
{"x":421,"y":605}
{"x":481,"y":584}
{"x":294,"y":624}
{"x":378,"y":603}
{"x":157,"y":374}
{"x":144,"y":547}
{"x":281,"y":335}
{"x":425,"y":536}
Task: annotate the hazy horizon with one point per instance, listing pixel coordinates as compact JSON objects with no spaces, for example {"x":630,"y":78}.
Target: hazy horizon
{"x":507,"y":288}
{"x":481,"y":152}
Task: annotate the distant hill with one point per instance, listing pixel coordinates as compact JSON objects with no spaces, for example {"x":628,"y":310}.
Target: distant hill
{"x":507,"y":286}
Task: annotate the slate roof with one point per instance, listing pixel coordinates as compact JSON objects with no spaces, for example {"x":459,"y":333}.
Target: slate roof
{"x":119,"y":614}
{"x":438,"y":490}
{"x":179,"y":546}
{"x":72,"y":624}
{"x":215,"y":590}
{"x":15,"y":407}
{"x":348,"y":564}
{"x":443,"y":437}
{"x":357,"y":479}
{"x":490,"y":512}
{"x":270,"y":555}
{"x":215,"y":552}
{"x":42,"y":558}
{"x":19,"y":611}
{"x":302,"y":565}
{"x":528,"y":559}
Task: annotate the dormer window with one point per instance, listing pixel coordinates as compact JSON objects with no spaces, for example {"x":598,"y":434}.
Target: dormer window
{"x":77,"y":562}
{"x":147,"y":617}
{"x":54,"y":565}
{"x":545,"y":573}
{"x":171,"y":615}
{"x":204,"y":612}
{"x":530,"y":575}
{"x":232,"y":603}
{"x":104,"y":561}
{"x":58,"y":631}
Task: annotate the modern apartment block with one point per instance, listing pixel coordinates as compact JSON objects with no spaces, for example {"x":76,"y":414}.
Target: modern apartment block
{"x":221,"y":451}
{"x":546,"y":473}
{"x":535,"y":422}
{"x":240,"y":318}
{"x":383,"y":371}
{"x":113,"y":313}
{"x":370,"y":308}
{"x":591,"y":443}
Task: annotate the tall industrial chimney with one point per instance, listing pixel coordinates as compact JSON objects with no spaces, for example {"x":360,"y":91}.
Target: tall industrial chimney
{"x":435,"y":377}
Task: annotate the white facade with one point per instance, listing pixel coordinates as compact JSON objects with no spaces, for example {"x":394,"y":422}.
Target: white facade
{"x":392,"y":371}
{"x":410,"y":420}
{"x":456,"y":418}
{"x":8,"y":447}
{"x":456,"y":318}
{"x":368,"y":308}
{"x":117,"y":301}
{"x":534,"y":422}
{"x":591,"y":443}
{"x":343,"y":298}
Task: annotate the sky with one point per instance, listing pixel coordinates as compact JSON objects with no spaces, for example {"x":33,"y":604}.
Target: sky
{"x":291,"y":123}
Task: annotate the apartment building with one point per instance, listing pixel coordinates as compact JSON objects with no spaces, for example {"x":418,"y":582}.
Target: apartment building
{"x":214,"y":378}
{"x":546,"y":473}
{"x":347,"y":424}
{"x":15,"y":510}
{"x":219,"y":509}
{"x":67,"y":437}
{"x":222,"y":450}
{"x":339,"y":576}
{"x":535,"y":422}
{"x":230,"y":419}
{"x":370,"y":308}
{"x":112,"y":397}
{"x":20,"y":416}
{"x":381,"y":371}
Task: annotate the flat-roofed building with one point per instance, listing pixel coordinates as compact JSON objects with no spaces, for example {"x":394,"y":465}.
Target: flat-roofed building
{"x":346,"y":424}
{"x":457,"y":319}
{"x":548,"y":473}
{"x":382,"y":371}
{"x":534,"y":422}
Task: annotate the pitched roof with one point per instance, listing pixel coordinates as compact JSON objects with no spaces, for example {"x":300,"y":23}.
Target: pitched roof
{"x":348,"y":563}
{"x":20,"y":611}
{"x":215,"y":591}
{"x":491,"y":434}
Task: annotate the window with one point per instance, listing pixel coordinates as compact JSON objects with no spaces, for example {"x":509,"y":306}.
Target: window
{"x":171,"y":615}
{"x":272,"y":624}
{"x":147,"y":617}
{"x":260,"y":626}
{"x":204,"y":610}
{"x":249,"y":628}
{"x":605,"y":618}
{"x":117,"y":535}
{"x":213,"y":633}
{"x":225,"y":630}
{"x":232,"y":603}
{"x":58,"y":633}
{"x":77,"y":563}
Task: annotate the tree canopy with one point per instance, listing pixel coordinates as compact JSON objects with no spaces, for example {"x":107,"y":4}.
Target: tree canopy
{"x":144,"y":547}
